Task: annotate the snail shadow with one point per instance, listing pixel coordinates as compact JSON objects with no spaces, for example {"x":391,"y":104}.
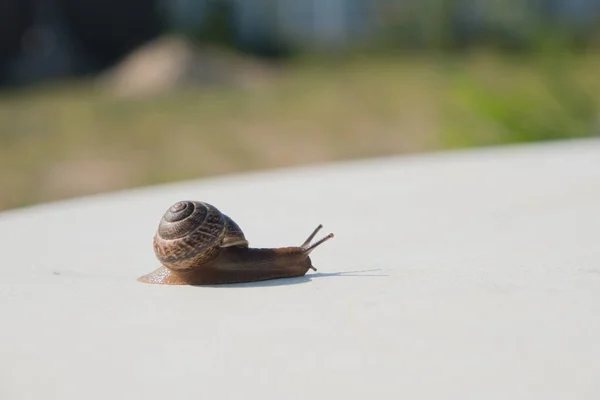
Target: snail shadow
{"x":300,"y":279}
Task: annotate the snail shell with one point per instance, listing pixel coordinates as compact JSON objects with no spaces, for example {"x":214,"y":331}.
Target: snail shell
{"x":192,"y":233}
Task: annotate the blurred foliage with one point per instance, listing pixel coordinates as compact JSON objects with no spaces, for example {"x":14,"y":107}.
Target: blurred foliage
{"x":503,"y":25}
{"x":391,"y":25}
{"x":217,"y":26}
{"x":431,"y":79}
{"x":516,"y":106}
{"x":63,"y":140}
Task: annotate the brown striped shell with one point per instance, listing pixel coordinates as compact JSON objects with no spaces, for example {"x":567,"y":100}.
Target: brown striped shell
{"x":192,"y":233}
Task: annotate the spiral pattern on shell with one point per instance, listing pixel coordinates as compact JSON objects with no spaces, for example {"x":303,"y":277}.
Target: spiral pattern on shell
{"x":191,"y":233}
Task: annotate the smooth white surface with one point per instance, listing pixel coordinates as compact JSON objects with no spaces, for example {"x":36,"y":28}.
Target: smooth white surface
{"x":470,"y":275}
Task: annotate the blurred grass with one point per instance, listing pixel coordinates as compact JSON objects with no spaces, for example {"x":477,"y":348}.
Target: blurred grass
{"x":69,"y":139}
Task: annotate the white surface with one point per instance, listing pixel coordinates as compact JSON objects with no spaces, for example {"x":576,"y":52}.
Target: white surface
{"x":472,"y":275}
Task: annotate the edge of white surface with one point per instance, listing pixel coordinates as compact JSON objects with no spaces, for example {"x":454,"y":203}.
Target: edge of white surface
{"x":494,"y":153}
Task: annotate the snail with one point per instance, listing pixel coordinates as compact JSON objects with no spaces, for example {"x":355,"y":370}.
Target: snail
{"x":198,"y":245}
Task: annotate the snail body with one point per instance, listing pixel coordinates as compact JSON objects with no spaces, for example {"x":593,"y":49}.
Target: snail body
{"x":198,"y":245}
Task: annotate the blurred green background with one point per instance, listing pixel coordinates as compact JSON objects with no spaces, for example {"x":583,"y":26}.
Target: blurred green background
{"x":105,"y":95}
